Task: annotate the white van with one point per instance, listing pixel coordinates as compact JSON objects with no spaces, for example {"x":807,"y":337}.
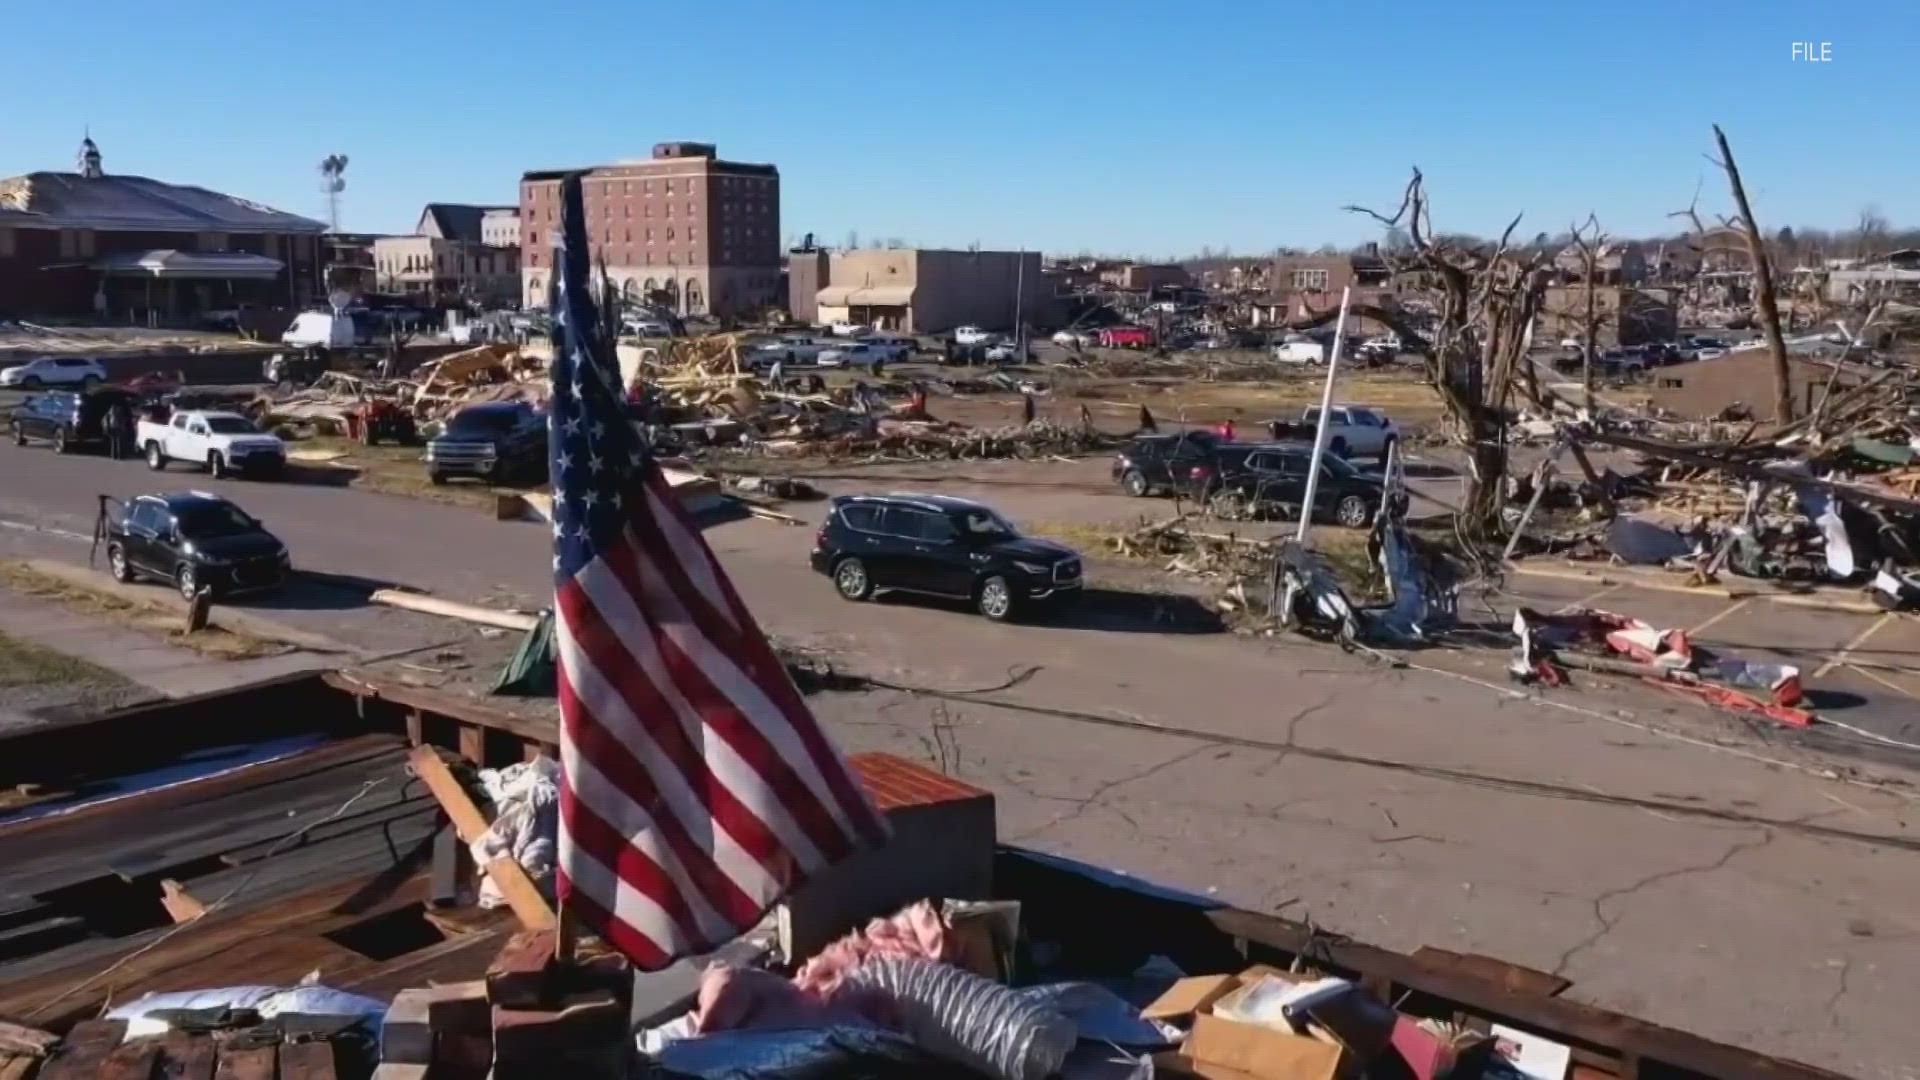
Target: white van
{"x":321,"y":328}
{"x":1300,"y":351}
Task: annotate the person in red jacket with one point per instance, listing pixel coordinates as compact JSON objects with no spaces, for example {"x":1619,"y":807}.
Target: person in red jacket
{"x":1225,"y":430}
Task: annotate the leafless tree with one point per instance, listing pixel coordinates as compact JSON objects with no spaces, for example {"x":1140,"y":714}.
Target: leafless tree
{"x":1590,"y":242}
{"x":1765,"y":299}
{"x":1486,"y":298}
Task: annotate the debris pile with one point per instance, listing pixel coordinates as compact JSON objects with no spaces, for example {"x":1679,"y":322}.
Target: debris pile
{"x":495,"y":372}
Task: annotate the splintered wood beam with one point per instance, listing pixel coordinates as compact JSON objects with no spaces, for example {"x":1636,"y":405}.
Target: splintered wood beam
{"x":469,"y":824}
{"x":180,"y":904}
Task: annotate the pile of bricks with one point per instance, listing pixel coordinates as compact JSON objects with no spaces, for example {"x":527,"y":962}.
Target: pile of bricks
{"x":531,"y":1016}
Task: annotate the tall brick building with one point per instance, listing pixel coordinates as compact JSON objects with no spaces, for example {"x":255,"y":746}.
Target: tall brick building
{"x":683,"y":229}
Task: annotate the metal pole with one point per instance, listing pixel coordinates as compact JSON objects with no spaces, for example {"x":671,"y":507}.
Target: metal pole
{"x":1326,"y":410}
{"x":1019,"y":288}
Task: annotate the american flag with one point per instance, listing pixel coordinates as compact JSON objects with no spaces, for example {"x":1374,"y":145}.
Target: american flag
{"x":697,"y":787}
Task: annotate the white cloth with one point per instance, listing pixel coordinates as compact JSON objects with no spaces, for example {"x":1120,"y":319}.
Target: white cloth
{"x":526,"y":823}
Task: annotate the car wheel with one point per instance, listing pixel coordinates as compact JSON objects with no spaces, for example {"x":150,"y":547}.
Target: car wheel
{"x":117,"y":563}
{"x":997,"y":600}
{"x":217,"y":465}
{"x":1351,"y":511}
{"x":1338,"y":446}
{"x":60,"y":445}
{"x":30,"y":381}
{"x":437,"y":479}
{"x":1135,"y":483}
{"x":19,"y":436}
{"x":850,"y":579}
{"x":1386,"y":450}
{"x":156,"y":457}
{"x":187,"y":580}
{"x":88,"y":382}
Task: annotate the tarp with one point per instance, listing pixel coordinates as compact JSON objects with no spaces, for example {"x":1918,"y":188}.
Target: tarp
{"x":533,"y":669}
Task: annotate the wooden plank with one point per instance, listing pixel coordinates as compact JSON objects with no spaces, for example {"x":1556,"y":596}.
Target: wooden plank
{"x":131,"y":1061}
{"x":85,"y":1049}
{"x":308,"y":1061}
{"x":469,"y":824}
{"x":252,"y":1063}
{"x":1523,"y":980}
{"x":449,"y":609}
{"x":1580,"y":1026}
{"x":186,"y":1056}
{"x":30,"y":1041}
{"x":473,"y":743}
{"x":18,"y":1066}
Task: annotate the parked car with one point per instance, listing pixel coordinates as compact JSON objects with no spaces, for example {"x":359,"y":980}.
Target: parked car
{"x":971,"y":335}
{"x":1126,"y":337}
{"x":301,"y":367}
{"x":792,"y":349}
{"x":1623,"y":361}
{"x":1254,"y":478}
{"x":1151,"y":464}
{"x":67,"y":420}
{"x":492,"y":441}
{"x":645,"y":328}
{"x":194,"y":541}
{"x":845,"y":328}
{"x":224,"y":443}
{"x":1301,"y":351}
{"x":1082,"y":339}
{"x":940,"y":546}
{"x":861,"y":354}
{"x":1352,"y":430}
{"x":55,"y":371}
{"x":1007,"y":352}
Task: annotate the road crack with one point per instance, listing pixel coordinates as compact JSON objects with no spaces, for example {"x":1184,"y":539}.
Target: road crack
{"x":1606,"y":923}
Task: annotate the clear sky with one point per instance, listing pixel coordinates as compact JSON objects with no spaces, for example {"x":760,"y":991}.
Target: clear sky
{"x":1119,"y":126}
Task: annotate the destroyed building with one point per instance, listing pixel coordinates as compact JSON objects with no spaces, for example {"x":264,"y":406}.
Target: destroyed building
{"x":1707,"y":388}
{"x":1145,"y":277}
{"x":1625,"y":315}
{"x":1304,"y":285}
{"x":134,"y":250}
{"x":684,"y":229}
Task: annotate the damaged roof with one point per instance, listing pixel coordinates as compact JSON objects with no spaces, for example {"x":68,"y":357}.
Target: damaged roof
{"x":455,"y":221}
{"x":56,"y":200}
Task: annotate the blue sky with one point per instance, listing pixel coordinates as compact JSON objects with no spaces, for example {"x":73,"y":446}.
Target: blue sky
{"x":1106,"y":125}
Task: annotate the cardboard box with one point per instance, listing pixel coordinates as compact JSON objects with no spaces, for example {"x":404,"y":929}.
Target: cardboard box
{"x":1190,"y":996}
{"x":1261,"y":1052}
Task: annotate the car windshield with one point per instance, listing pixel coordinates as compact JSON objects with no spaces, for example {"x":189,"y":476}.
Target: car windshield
{"x":985,"y":525}
{"x":1363,"y":417}
{"x":231,"y":425}
{"x":480,"y":422}
{"x":209,"y":521}
{"x":1339,"y":467}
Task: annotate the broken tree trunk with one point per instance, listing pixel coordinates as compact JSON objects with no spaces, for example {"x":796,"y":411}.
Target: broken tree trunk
{"x":1764,"y":298}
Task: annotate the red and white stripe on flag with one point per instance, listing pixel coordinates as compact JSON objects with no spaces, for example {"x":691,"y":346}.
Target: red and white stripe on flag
{"x":698,"y":789}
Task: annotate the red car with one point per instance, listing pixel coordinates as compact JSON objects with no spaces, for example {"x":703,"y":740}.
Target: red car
{"x":1126,"y":337}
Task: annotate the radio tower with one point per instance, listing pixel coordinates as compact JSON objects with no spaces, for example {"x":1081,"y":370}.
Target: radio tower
{"x":333,"y":180}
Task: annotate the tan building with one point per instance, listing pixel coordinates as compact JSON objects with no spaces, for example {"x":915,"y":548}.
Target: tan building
{"x":922,"y":290}
{"x":1702,"y":389}
{"x":439,"y":270}
{"x":683,"y":229}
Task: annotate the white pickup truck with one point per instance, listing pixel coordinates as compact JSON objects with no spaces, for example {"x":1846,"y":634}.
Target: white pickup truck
{"x":223,"y":442}
{"x":1352,"y":431}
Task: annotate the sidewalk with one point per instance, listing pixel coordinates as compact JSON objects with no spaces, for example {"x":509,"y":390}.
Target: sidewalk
{"x":167,"y":670}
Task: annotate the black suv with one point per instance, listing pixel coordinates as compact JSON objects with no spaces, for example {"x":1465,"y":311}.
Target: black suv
{"x":194,"y":540}
{"x":494,"y":441}
{"x":68,"y":420}
{"x":1256,"y":478}
{"x":940,"y":546}
{"x":1152,"y":464}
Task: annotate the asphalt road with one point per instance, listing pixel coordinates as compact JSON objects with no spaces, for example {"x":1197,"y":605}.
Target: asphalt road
{"x":1751,"y":902}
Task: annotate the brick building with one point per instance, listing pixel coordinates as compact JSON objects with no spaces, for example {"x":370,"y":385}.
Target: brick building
{"x":683,"y":229}
{"x":1626,"y":316}
{"x":1146,"y":277}
{"x":1703,"y":388}
{"x":129,"y":249}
